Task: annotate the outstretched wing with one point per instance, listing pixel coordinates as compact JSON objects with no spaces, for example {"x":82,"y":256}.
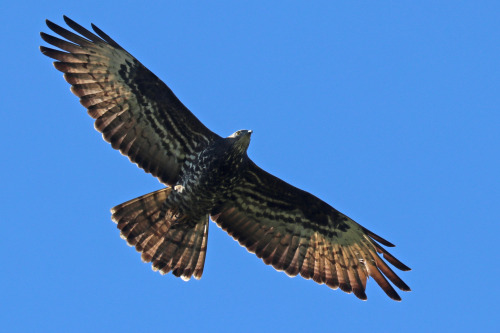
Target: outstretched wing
{"x":296,"y":232}
{"x":133,"y":109}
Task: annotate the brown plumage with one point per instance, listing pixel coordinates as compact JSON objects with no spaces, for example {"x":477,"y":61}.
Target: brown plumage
{"x":208,"y":176}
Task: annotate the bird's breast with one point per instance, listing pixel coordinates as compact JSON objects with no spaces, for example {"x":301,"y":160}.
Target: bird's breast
{"x":209,"y":177}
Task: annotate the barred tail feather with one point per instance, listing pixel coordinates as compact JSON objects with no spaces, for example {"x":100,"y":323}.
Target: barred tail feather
{"x":170,"y":241}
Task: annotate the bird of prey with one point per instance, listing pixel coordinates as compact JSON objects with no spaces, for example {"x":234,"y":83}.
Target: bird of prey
{"x":208,"y":176}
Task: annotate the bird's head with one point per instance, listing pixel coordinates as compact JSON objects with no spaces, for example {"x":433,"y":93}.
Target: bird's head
{"x":241,"y":139}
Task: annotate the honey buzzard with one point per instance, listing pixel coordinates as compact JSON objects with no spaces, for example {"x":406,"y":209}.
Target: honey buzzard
{"x":208,"y":176}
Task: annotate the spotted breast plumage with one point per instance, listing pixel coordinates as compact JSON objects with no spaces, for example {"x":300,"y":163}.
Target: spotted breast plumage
{"x":208,"y":176}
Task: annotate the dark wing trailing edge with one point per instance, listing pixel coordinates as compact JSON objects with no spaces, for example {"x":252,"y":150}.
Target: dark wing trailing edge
{"x":133,"y":109}
{"x":296,"y":232}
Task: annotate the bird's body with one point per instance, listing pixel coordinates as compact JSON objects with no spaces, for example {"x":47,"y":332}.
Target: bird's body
{"x":208,"y":176}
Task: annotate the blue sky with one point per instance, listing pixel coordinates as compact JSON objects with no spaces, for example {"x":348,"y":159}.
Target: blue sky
{"x":388,"y":111}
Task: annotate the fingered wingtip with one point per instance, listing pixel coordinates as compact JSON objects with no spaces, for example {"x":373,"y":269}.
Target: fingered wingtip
{"x":45,"y":36}
{"x":394,"y":296}
{"x":405,"y":268}
{"x":67,"y":19}
{"x":49,"y":24}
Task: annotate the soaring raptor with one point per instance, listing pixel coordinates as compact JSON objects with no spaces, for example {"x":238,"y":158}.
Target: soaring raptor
{"x":208,"y":176}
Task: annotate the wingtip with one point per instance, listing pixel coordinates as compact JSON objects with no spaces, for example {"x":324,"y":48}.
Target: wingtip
{"x":49,"y":23}
{"x":68,"y":20}
{"x":393,"y":295}
{"x":96,"y":28}
{"x":47,"y":52}
{"x":404,"y":268}
{"x":44,"y":36}
{"x":105,"y":36}
{"x":52,"y":26}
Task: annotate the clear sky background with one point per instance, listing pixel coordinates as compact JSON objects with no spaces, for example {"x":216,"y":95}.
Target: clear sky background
{"x":387,"y":110}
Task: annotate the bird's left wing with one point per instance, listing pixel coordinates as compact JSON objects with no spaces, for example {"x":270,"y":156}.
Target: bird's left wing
{"x":133,"y":109}
{"x":296,"y":232}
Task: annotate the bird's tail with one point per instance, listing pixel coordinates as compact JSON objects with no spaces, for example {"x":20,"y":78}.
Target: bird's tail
{"x":170,"y":241}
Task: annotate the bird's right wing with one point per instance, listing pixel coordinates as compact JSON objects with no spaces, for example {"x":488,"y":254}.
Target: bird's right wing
{"x":296,"y":232}
{"x":133,"y":109}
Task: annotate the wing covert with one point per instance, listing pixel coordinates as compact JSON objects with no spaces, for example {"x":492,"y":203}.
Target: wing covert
{"x":133,"y":109}
{"x":296,"y":232}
